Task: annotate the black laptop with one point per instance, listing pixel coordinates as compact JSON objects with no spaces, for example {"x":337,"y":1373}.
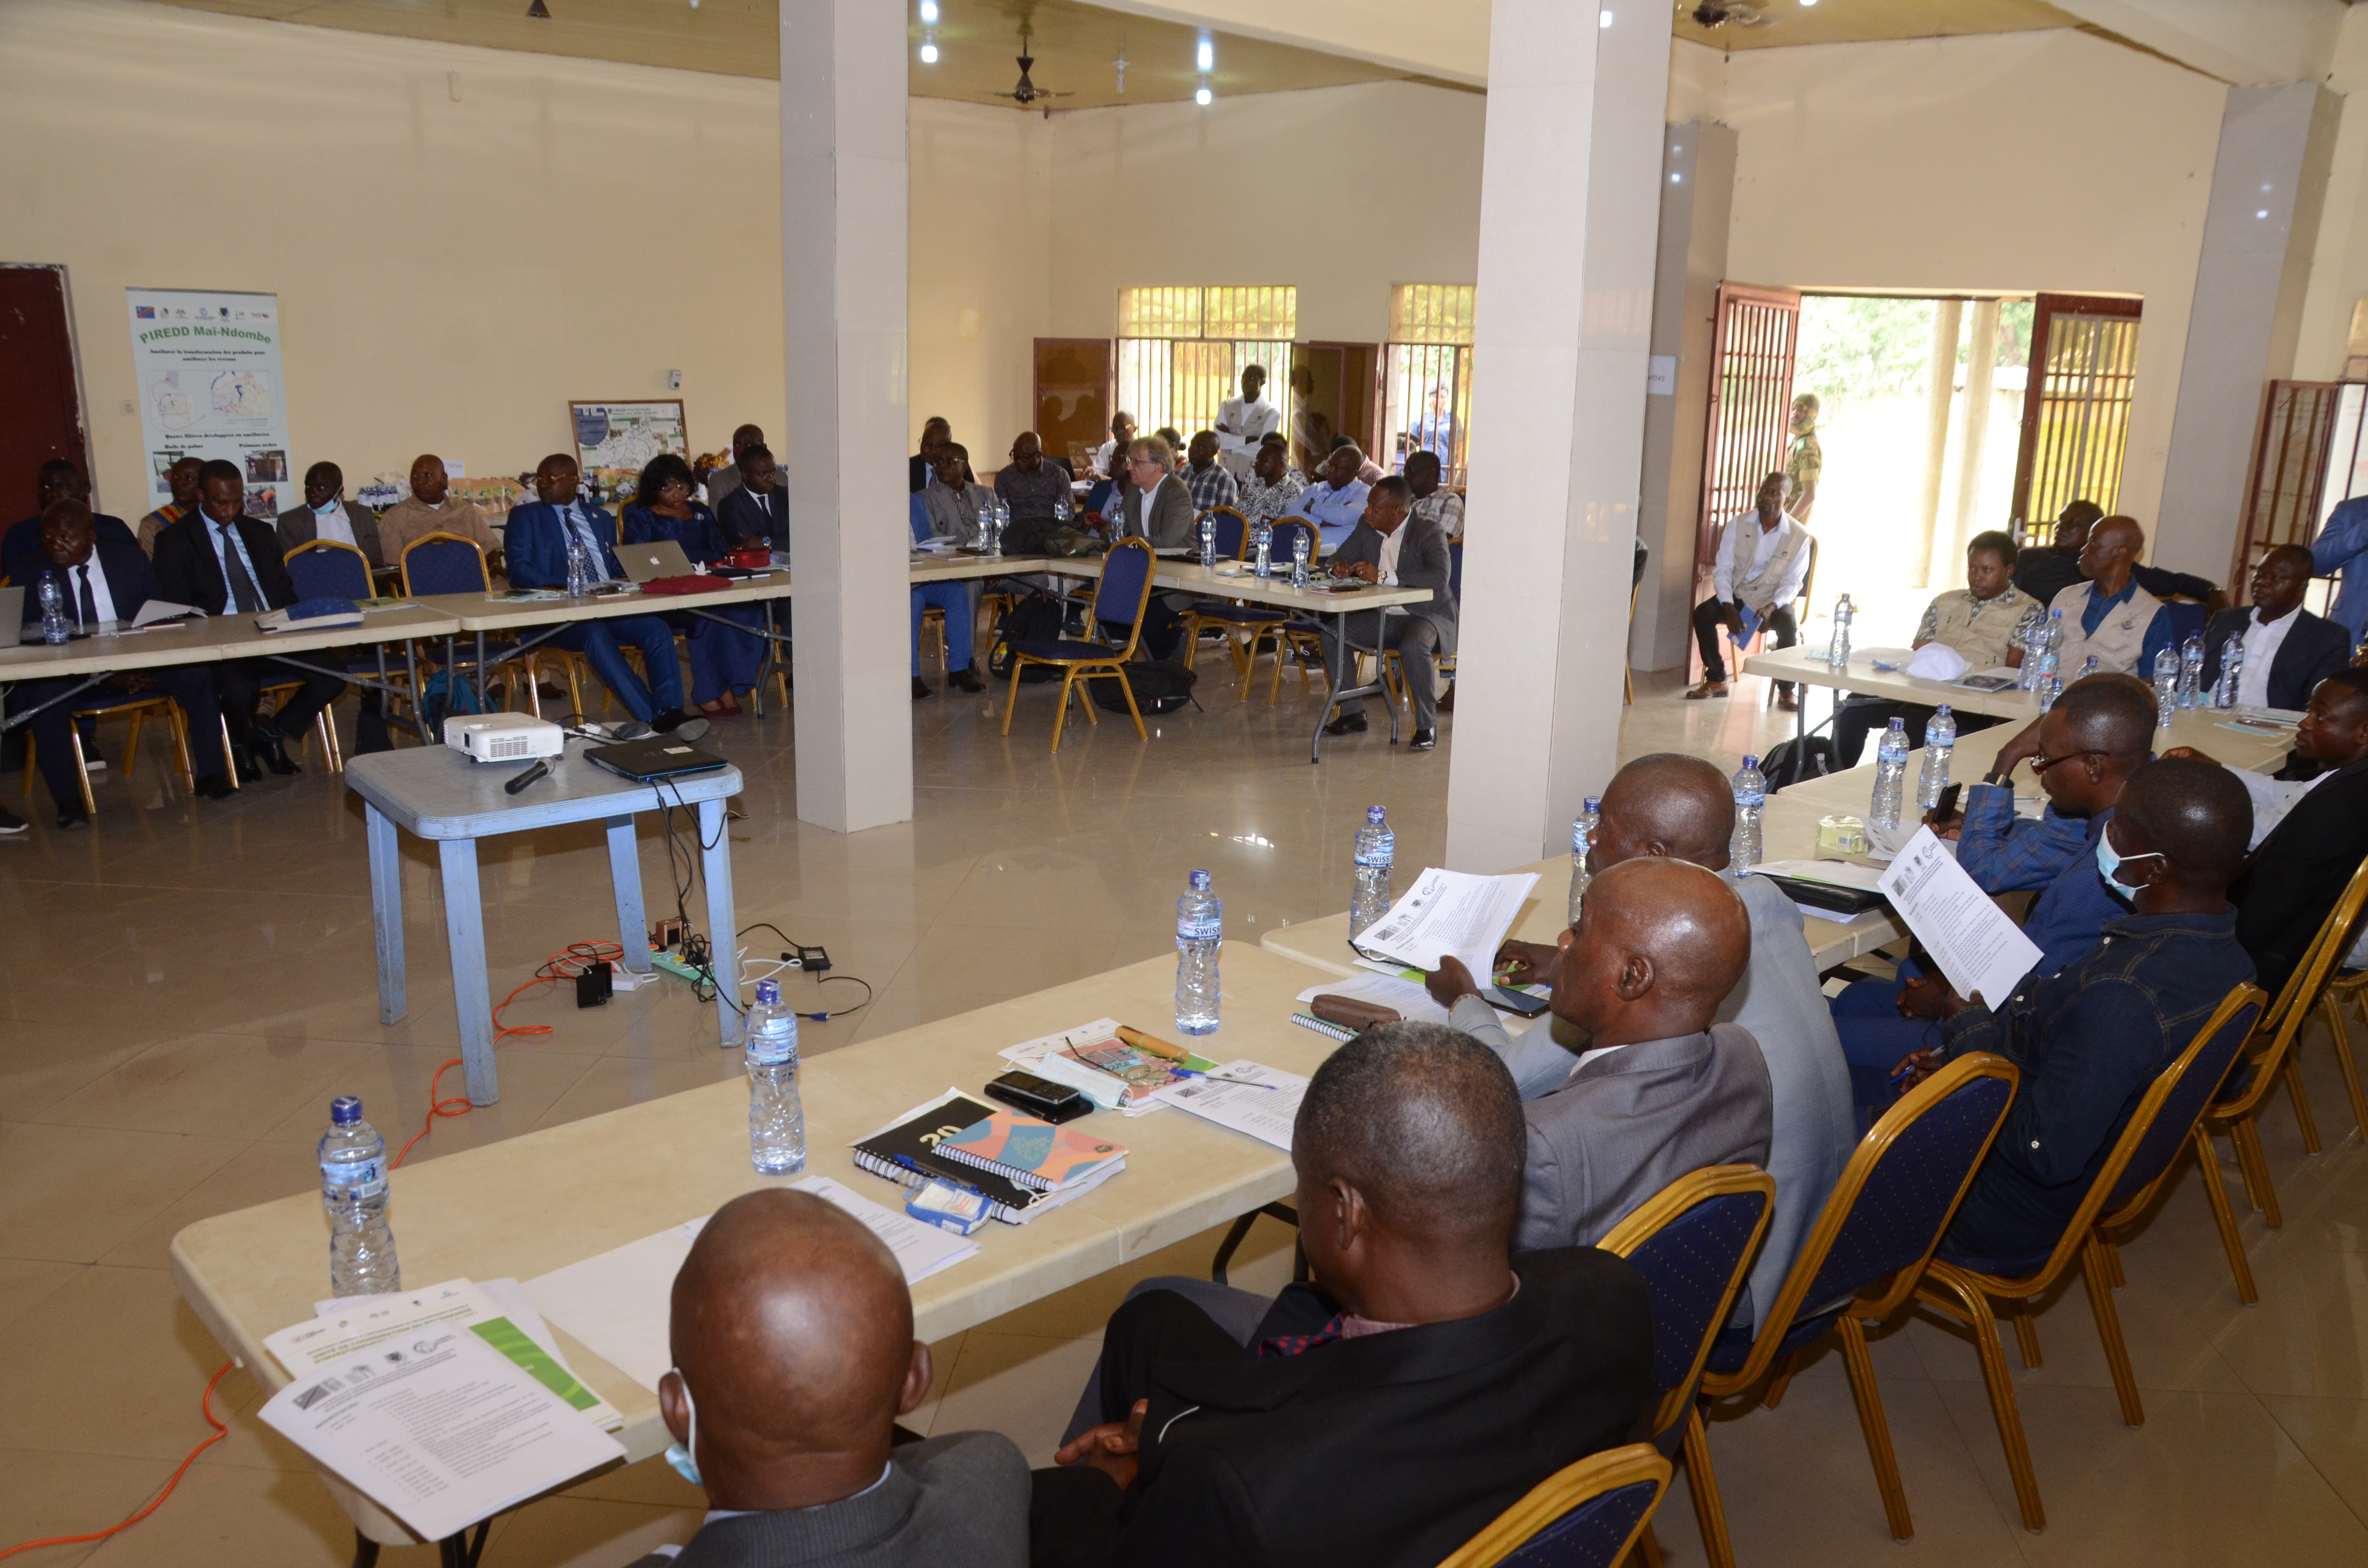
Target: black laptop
{"x":651,"y":759}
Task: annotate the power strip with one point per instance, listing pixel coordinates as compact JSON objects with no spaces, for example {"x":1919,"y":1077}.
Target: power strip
{"x":672,"y":964}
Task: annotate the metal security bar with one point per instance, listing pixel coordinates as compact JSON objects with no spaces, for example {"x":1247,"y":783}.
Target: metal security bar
{"x":2075,"y":411}
{"x":1755,"y":342}
{"x":2309,"y":454}
{"x":1181,"y":350}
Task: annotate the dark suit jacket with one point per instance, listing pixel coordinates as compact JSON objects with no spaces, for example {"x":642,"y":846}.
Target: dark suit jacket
{"x":20,"y":548}
{"x":296,"y":528}
{"x":741,"y":518}
{"x":2312,"y":650}
{"x":2289,"y":884}
{"x":189,"y":573}
{"x":958,"y":1501}
{"x":130,"y":581}
{"x":1423,"y":562}
{"x":1386,"y":1451}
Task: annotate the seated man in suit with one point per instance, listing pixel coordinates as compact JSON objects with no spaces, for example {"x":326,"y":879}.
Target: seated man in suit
{"x":222,"y":562}
{"x":2286,"y":650}
{"x":327,"y":514}
{"x":723,"y":483}
{"x":1382,"y":1416}
{"x":1038,"y":490}
{"x":1389,"y":550}
{"x":1682,"y":808}
{"x":2091,"y":1039}
{"x":791,"y":1333}
{"x":56,"y":480}
{"x":1157,"y":507}
{"x":2045,"y":571}
{"x":950,"y":511}
{"x":101,"y":581}
{"x":181,"y":478}
{"x":539,"y":534}
{"x":752,"y":514}
{"x":430,"y":509}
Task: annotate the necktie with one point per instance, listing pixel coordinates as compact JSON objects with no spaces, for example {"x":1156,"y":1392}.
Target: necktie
{"x":243,"y":595}
{"x":89,"y":606}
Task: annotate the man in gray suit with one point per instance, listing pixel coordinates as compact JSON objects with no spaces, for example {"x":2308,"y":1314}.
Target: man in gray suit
{"x":1159,"y":508}
{"x":793,"y":1350}
{"x":1663,"y":1089}
{"x":1389,"y":548}
{"x":1681,"y":808}
{"x":327,"y":514}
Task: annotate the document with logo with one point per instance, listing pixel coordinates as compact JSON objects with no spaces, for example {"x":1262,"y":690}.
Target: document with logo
{"x":1978,"y":947}
{"x":1449,"y":913}
{"x":1245,"y":1097}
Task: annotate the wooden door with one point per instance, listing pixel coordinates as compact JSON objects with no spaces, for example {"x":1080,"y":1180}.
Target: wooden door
{"x":1073,"y":408}
{"x":40,"y":388}
{"x":2309,"y":453}
{"x":1753,"y":345}
{"x":2075,"y":405}
{"x":1335,"y":397}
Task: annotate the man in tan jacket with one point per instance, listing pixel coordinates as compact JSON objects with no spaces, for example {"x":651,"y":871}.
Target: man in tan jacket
{"x":430,"y":510}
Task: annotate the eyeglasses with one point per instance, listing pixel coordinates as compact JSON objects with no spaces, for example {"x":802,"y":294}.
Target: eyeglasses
{"x":2042,"y":763}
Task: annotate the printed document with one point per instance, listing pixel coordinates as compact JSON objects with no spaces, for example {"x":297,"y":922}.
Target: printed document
{"x":1245,"y":1097}
{"x":1978,"y":947}
{"x":1449,"y":914}
{"x":438,"y":1428}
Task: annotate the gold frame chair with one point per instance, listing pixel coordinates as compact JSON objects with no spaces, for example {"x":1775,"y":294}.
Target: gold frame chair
{"x":1964,"y":1293}
{"x":405,"y":563}
{"x":2347,"y":987}
{"x":136,"y":706}
{"x":1112,"y":667}
{"x":1573,"y":1486}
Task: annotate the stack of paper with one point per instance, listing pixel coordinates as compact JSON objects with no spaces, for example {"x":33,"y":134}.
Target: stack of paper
{"x":1452,"y":914}
{"x":1245,"y":1097}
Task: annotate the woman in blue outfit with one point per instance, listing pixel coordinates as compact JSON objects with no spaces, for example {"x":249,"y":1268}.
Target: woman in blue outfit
{"x":724,"y":662}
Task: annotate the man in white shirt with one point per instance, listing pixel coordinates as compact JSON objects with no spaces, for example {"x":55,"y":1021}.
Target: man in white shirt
{"x":1243,"y":422}
{"x":1336,"y":504}
{"x":1747,"y":593}
{"x":1111,"y":457}
{"x":326,"y":515}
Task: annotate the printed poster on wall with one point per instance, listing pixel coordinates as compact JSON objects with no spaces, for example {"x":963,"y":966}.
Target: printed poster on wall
{"x":208,"y":370}
{"x":614,"y":441}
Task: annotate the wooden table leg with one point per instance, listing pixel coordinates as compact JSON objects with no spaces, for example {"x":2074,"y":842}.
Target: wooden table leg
{"x":464,"y":931}
{"x":722,"y":923}
{"x":386,"y":912}
{"x":625,"y":874}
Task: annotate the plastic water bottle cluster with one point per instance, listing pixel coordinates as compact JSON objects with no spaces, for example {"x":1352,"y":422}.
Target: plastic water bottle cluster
{"x":777,"y":1116}
{"x":2232,"y":669}
{"x":1582,"y":841}
{"x":2042,"y":658}
{"x":993,"y":516}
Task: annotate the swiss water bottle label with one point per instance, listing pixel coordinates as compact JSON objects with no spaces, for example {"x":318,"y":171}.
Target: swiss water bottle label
{"x":354,"y":1178}
{"x":1204,"y":929}
{"x":1382,"y":852}
{"x":774,"y":1042}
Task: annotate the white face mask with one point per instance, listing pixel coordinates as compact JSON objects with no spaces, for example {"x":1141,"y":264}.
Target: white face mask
{"x":684,"y":1456}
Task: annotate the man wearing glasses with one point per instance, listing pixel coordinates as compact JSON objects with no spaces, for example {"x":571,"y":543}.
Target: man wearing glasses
{"x":2099,"y":732}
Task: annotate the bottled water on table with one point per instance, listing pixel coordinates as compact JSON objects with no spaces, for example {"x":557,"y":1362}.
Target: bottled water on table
{"x":1750,"y":801}
{"x":1838,"y":652}
{"x":1940,"y":744}
{"x":2166,"y":687}
{"x":1302,"y":541}
{"x":2232,"y":664}
{"x":1582,"y":839}
{"x":1208,"y":540}
{"x":777,"y":1117}
{"x":1376,"y":849}
{"x":1200,"y":931}
{"x":2049,"y":682}
{"x":55,"y":631}
{"x":2191,"y":671}
{"x":1262,"y":542}
{"x":1061,"y":508}
{"x":1890,"y":775}
{"x":353,"y":1190}
{"x":579,"y":566}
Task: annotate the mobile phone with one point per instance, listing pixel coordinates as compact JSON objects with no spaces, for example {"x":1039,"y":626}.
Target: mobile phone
{"x":1946,"y":806}
{"x":1040,"y":1097}
{"x":1520,"y":1001}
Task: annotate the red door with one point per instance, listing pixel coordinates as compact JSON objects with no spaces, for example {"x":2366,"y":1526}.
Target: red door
{"x":41,"y":392}
{"x":1753,"y":346}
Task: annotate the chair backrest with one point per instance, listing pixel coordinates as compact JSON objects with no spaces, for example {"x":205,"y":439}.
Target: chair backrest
{"x":2187,"y":618}
{"x":444,"y":563}
{"x":1233,"y":532}
{"x":1583,"y":1515}
{"x":2195,"y":1078}
{"x":1894,"y":1198}
{"x":1279,"y":546}
{"x":2319,"y":961}
{"x":1124,"y":591}
{"x":1808,"y":584}
{"x":329,"y":568}
{"x":1693,"y":1242}
{"x":1455,"y":572}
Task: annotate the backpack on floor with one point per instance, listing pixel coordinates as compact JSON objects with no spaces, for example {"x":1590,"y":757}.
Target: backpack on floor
{"x":1795,"y":760}
{"x":1161,"y":685}
{"x":443,"y":695}
{"x":1036,"y":618}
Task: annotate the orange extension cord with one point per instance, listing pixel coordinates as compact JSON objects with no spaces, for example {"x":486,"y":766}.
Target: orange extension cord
{"x":577,"y":958}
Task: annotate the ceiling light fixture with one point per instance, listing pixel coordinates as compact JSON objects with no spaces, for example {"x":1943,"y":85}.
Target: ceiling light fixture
{"x":1202,"y":96}
{"x":1603,"y":18}
{"x":1206,"y":60}
{"x":929,"y":47}
{"x":1120,"y":61}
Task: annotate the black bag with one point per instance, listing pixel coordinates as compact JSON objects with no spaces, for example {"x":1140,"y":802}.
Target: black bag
{"x":1795,"y":760}
{"x":1160,"y":686}
{"x":1036,"y":618}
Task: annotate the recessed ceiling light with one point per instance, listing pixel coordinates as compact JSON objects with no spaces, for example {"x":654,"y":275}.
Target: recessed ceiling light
{"x":1206,"y":58}
{"x":1603,"y":18}
{"x":1203,"y":96}
{"x":928,"y":11}
{"x":929,"y":55}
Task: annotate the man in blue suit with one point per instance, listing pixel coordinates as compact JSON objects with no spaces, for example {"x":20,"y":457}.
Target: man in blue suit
{"x":535,"y":538}
{"x":104,"y":579}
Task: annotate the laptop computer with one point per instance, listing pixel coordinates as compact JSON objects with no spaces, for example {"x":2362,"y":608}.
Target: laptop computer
{"x":659,"y":558}
{"x":655,"y":757}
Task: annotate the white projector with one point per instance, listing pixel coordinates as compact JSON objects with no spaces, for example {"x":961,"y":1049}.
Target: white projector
{"x":504,"y":737}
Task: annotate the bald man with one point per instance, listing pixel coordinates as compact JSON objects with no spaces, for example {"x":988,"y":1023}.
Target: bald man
{"x":2285,"y":650}
{"x":2111,"y":616}
{"x":1382,"y":1416}
{"x":793,"y":1355}
{"x":2091,"y":1039}
{"x":1681,"y":807}
{"x":722,"y":481}
{"x":431,"y":509}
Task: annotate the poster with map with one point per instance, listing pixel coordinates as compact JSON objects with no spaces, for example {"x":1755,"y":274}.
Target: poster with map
{"x":614,"y":441}
{"x":208,"y":368}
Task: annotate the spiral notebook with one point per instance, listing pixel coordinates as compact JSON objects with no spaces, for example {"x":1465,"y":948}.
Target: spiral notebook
{"x":907,"y":1151}
{"x":1032,"y":1153}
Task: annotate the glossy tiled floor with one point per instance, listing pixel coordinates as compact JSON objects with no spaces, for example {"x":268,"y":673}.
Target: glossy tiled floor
{"x":189,"y":986}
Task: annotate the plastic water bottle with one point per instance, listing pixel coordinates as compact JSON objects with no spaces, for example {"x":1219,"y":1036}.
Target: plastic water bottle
{"x":776,"y":1118}
{"x":1750,"y":800}
{"x":353,"y":1190}
{"x":1208,"y":540}
{"x":1262,"y":542}
{"x":54,"y":628}
{"x":1890,"y":775}
{"x":1940,"y":743}
{"x":579,"y":566}
{"x":1302,"y":544}
{"x":2049,"y":682}
{"x":1837,"y":652}
{"x":2088,"y":666}
{"x":2035,"y":643}
{"x":2232,"y":664}
{"x":2191,"y":671}
{"x":998,"y":517}
{"x":1582,"y":840}
{"x":2166,"y":687}
{"x":1199,"y":932}
{"x":1376,"y":847}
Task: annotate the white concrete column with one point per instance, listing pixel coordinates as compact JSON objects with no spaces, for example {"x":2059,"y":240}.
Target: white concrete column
{"x":2269,"y":185}
{"x":843,"y":289}
{"x":1569,"y":206}
{"x":1981,"y":387}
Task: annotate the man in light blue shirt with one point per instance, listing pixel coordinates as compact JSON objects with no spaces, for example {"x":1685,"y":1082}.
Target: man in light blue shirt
{"x":2342,"y":546}
{"x":1335,"y":503}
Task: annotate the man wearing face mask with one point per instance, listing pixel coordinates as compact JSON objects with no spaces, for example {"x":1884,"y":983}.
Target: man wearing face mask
{"x":793,"y":1338}
{"x":2091,"y":1039}
{"x":327,"y":514}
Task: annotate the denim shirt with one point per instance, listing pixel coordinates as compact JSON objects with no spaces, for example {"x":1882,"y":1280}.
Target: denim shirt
{"x":2004,"y":853}
{"x":2088,"y":1043}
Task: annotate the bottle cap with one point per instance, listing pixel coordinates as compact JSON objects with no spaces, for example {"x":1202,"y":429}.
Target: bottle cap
{"x":1200,"y":882}
{"x":345,"y":1110}
{"x":767,"y":993}
{"x":1374,"y":813}
{"x":1593,"y":803}
{"x":1749,"y":760}
{"x":1938,"y":711}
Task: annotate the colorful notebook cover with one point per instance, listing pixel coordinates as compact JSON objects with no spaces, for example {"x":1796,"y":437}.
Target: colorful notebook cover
{"x":1033,"y":1153}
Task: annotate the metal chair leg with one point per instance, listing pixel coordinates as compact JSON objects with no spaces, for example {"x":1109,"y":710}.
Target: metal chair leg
{"x":1011,"y":703}
{"x":2301,"y":1102}
{"x":2096,"y":1271}
{"x":1942,"y":1287}
{"x":2264,"y":1191}
{"x":2026,"y":1334}
{"x":131,"y":741}
{"x":2217,"y":1193}
{"x":82,"y":768}
{"x":1873,"y":1426}
{"x":2341,"y":1035}
{"x":1785,"y":1367}
{"x":1703,"y":1481}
